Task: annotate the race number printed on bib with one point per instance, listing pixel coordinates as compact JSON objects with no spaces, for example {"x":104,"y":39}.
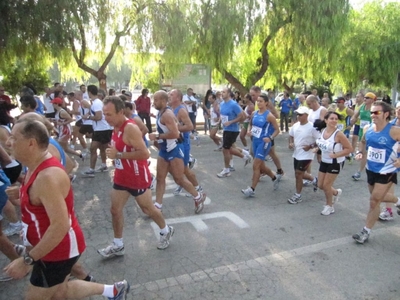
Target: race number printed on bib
{"x":256,"y":131}
{"x":376,"y":155}
{"x":118,"y":164}
{"x":364,"y":123}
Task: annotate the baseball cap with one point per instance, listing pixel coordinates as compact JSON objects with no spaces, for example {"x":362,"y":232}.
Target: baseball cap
{"x":302,"y":110}
{"x":370,"y":95}
{"x":57,"y":101}
{"x":128,"y":94}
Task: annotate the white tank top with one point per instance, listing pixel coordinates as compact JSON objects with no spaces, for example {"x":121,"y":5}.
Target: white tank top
{"x":329,"y":146}
{"x":314,"y":115}
{"x":214,"y":117}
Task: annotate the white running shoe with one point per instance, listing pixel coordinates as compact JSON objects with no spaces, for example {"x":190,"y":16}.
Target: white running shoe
{"x":277,"y":181}
{"x":111,"y":250}
{"x":178,"y":190}
{"x":327,"y":210}
{"x":248,"y":160}
{"x":336,"y":197}
{"x":199,"y":204}
{"x":101,"y":169}
{"x":165,"y":238}
{"x":122,"y":288}
{"x":248,"y":192}
{"x":224,"y":173}
{"x":386,"y":215}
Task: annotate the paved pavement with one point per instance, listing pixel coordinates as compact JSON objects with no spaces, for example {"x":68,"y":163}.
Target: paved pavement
{"x":257,"y":248}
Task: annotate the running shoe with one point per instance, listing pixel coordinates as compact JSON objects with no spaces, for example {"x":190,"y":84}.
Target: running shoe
{"x":12,"y":229}
{"x":178,"y":190}
{"x":232,"y":168}
{"x":307,"y":182}
{"x":4,"y":277}
{"x":295,"y":199}
{"x":277,"y":181}
{"x":111,"y":250}
{"x":361,"y":237}
{"x":165,"y":238}
{"x":328,"y":210}
{"x":356,"y":176}
{"x":315,"y":184}
{"x":101,"y":169}
{"x":248,"y":192}
{"x":122,"y":289}
{"x":192,"y":163}
{"x":386,"y":215}
{"x":199,"y":204}
{"x":336,"y":197}
{"x":224,"y":173}
{"x":88,"y":173}
{"x":199,"y":189}
{"x":248,"y":160}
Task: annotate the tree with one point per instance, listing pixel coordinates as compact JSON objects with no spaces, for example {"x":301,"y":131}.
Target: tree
{"x":370,"y":49}
{"x":242,"y":39}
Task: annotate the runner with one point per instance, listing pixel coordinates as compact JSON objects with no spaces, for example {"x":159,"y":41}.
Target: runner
{"x":260,"y":121}
{"x":171,"y":157}
{"x":380,"y":142}
{"x":334,"y":146}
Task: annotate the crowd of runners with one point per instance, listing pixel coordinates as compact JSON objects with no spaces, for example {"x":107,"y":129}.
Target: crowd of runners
{"x":37,"y":151}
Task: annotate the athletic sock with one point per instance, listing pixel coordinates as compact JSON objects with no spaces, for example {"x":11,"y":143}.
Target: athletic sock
{"x":108,"y":291}
{"x":118,"y":242}
{"x":398,"y":201}
{"x":367,"y":230}
{"x":158,"y":205}
{"x":164,"y":230}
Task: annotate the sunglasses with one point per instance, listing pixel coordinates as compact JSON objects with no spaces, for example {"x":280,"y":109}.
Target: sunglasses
{"x":376,"y":113}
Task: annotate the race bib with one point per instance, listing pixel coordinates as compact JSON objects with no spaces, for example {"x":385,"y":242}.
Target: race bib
{"x":24,"y":233}
{"x":224,"y":119}
{"x":376,"y":155}
{"x":340,"y":127}
{"x":323,"y":146}
{"x":118,"y":164}
{"x":364,"y":123}
{"x":256,"y":131}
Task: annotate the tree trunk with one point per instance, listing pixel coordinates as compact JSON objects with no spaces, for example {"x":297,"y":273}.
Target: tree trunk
{"x":102,"y":78}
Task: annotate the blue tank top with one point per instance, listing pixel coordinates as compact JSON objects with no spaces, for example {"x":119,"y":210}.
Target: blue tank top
{"x":260,"y":127}
{"x":63,"y":160}
{"x":394,"y":121}
{"x":164,"y":144}
{"x":381,"y":150}
{"x":186,"y":135}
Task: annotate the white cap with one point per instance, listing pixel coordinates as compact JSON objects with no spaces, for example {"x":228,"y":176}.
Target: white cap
{"x":302,"y":110}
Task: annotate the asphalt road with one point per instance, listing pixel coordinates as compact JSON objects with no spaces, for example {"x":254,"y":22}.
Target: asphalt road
{"x":238,"y":248}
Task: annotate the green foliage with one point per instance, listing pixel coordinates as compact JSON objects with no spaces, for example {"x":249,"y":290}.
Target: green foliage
{"x":21,"y":74}
{"x":370,"y":49}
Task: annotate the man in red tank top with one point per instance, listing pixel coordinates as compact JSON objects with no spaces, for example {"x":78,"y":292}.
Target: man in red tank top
{"x":132,"y":176}
{"x":50,"y":227}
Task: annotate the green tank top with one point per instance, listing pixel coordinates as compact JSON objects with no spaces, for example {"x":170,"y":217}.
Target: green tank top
{"x":365,"y":119}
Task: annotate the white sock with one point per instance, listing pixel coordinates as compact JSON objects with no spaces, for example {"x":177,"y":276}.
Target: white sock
{"x":158,"y":205}
{"x":398,"y":201}
{"x":245,"y":153}
{"x":367,"y":229}
{"x":108,"y":291}
{"x":298,"y":195}
{"x":103,"y":165}
{"x":118,"y":242}
{"x":231,"y":162}
{"x":164,"y":230}
{"x":314,"y":180}
{"x":198,"y":196}
{"x":227,"y":170}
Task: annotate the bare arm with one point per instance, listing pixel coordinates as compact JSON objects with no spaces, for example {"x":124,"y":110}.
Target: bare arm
{"x":273,"y":110}
{"x":141,"y":125}
{"x":185,"y":124}
{"x":347,"y":148}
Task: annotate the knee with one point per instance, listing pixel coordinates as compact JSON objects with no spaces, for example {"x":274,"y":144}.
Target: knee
{"x":115,"y":210}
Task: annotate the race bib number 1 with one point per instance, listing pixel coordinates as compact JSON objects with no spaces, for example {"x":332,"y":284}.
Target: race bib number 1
{"x":376,"y":155}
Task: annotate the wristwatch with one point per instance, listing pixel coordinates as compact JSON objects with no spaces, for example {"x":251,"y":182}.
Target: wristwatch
{"x":28,"y":260}
{"x":119,"y":155}
{"x":271,"y":137}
